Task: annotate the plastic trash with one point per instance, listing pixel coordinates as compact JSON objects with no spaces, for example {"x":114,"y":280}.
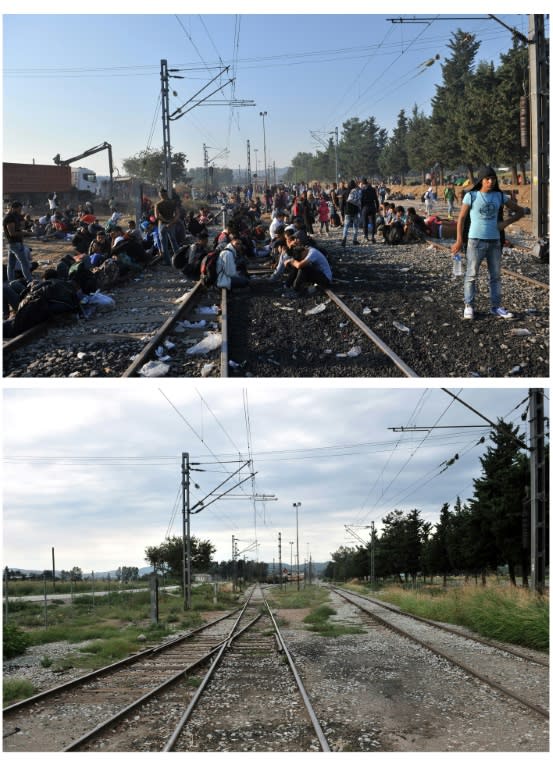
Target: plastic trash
{"x":153,"y":369}
{"x":206,"y":369}
{"x":354,"y":352}
{"x":316,"y":310}
{"x":209,"y":343}
{"x":213,"y":310}
{"x":457,"y":265}
{"x":520,"y":332}
{"x":401,"y":327}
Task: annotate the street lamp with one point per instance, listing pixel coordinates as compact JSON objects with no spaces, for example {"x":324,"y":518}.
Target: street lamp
{"x":263,"y":115}
{"x":291,"y":559}
{"x":297,"y":505}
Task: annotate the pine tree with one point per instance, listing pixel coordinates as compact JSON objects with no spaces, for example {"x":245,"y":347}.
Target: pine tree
{"x":449,"y":108}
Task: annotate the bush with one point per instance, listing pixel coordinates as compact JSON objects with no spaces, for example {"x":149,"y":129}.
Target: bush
{"x":15,"y":641}
{"x":17,"y":690}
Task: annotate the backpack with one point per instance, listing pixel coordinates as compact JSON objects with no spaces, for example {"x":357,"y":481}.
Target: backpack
{"x":41,"y":301}
{"x":84,"y":277}
{"x":180,"y":258}
{"x":354,"y":197}
{"x":208,"y":269}
{"x":466,"y":223}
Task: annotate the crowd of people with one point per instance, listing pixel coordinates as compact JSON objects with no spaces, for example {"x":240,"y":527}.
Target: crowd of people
{"x":103,"y":253}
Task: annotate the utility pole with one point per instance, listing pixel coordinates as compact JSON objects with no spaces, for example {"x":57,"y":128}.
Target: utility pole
{"x":539,"y":123}
{"x":336,"y":151}
{"x":206,"y":163}
{"x":373,"y":538}
{"x":53,"y":571}
{"x":538,"y":493}
{"x":297,"y":505}
{"x":186,"y":554}
{"x":280,"y":558}
{"x":165,"y":125}
{"x":248,"y":164}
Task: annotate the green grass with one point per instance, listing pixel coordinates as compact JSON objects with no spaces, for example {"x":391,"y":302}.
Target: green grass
{"x":317,"y":599}
{"x":500,"y":613}
{"x":16,"y":690}
{"x":110,"y":626}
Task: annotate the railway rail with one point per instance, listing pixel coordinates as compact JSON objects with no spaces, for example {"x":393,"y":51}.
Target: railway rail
{"x":489,"y":662}
{"x":388,"y":314}
{"x":175,"y":697}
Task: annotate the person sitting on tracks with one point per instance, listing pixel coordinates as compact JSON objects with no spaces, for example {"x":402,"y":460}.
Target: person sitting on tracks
{"x":394,"y":231}
{"x":415,"y":229}
{"x":191,"y":259}
{"x":82,"y":239}
{"x":277,"y":222}
{"x":101,"y":244}
{"x":283,"y":255}
{"x":129,"y":253}
{"x":231,"y":265}
{"x":310,"y":267}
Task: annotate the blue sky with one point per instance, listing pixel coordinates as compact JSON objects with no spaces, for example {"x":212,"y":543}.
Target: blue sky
{"x":94,"y":471}
{"x":72,"y":82}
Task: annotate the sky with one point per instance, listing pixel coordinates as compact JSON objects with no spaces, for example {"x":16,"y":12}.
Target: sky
{"x":95,"y":471}
{"x":73,"y":80}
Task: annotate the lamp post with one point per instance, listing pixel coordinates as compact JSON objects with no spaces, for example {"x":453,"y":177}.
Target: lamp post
{"x":263,"y":115}
{"x":297,"y":505}
{"x":291,"y":560}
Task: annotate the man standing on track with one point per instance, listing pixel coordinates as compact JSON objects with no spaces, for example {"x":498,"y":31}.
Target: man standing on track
{"x":166,"y":214}
{"x":18,"y":252}
{"x":484,"y":202}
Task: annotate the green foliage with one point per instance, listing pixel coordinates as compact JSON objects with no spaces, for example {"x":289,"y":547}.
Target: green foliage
{"x":318,"y":621}
{"x":148,"y":165}
{"x":14,"y":641}
{"x":505,"y":614}
{"x":16,"y":690}
{"x":167,"y":557}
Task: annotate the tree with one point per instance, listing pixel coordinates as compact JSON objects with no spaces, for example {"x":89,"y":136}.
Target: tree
{"x":167,"y":557}
{"x":393,"y":160}
{"x":449,"y":107}
{"x":479,"y":136}
{"x":499,"y":496}
{"x":149,"y":165}
{"x":513,"y":84}
{"x":417,"y":141}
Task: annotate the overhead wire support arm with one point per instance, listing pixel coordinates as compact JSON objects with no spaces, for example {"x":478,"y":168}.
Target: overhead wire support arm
{"x":205,"y":506}
{"x":225,"y":69}
{"x":197,"y":103}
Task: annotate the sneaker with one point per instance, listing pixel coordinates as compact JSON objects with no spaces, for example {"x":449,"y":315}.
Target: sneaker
{"x":468,"y":314}
{"x":501,"y":312}
{"x":343,"y":243}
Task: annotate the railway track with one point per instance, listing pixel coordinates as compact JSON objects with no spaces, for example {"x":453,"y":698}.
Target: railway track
{"x":225,"y":690}
{"x":526,"y":682}
{"x":34,"y":724}
{"x":386,"y":316}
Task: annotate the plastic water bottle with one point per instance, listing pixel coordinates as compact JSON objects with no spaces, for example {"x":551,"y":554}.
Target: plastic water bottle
{"x":457,"y":265}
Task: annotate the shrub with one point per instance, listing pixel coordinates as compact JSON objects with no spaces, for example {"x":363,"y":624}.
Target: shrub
{"x":16,"y":690}
{"x":15,"y":641}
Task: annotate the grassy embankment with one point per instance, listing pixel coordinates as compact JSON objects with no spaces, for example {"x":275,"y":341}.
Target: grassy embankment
{"x":497,"y":612}
{"x":109,"y":626}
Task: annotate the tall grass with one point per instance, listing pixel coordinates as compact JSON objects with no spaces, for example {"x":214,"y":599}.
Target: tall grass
{"x":506,"y":614}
